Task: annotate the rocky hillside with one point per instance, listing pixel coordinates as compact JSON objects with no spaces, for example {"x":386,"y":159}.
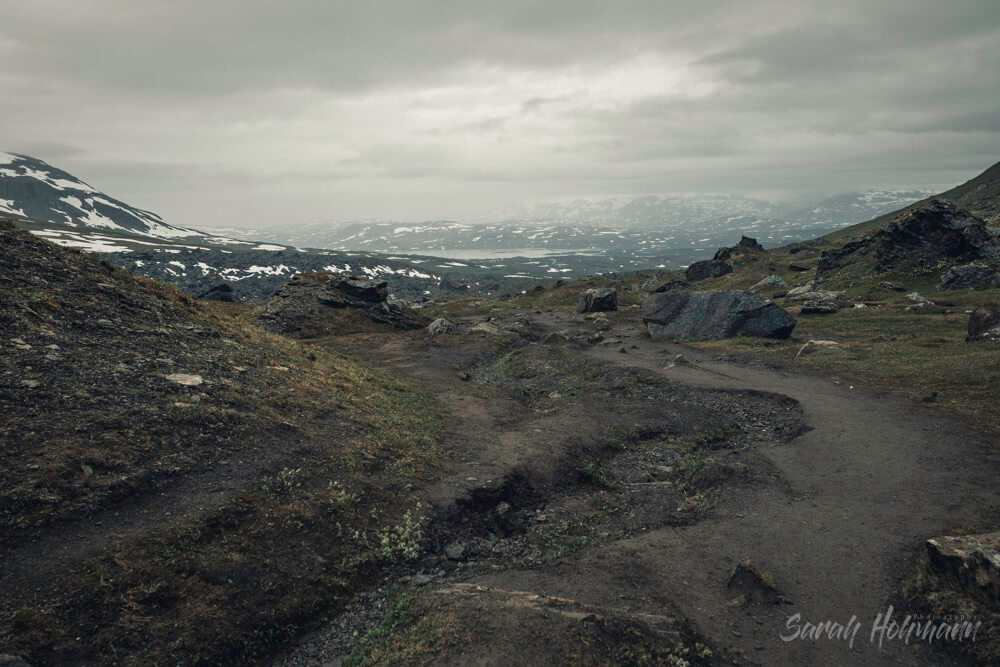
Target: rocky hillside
{"x":980,"y":196}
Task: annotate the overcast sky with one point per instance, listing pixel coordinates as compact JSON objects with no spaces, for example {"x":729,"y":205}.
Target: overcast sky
{"x":262,"y":113}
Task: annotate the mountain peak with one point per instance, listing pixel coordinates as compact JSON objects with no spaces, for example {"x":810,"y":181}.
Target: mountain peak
{"x":33,"y":189}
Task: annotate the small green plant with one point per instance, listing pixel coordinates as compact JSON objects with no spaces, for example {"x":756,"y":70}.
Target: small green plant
{"x":595,"y":473}
{"x":403,"y":541}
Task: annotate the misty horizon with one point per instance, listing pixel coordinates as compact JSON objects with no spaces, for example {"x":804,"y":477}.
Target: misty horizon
{"x":248,"y":115}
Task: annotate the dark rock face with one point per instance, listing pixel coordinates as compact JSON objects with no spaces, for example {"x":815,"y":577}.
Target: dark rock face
{"x":222,"y":292}
{"x":746,"y":244}
{"x":300,"y":304}
{"x":709,"y":268}
{"x":984,"y":324}
{"x":974,"y":276}
{"x":714,"y":315}
{"x":366,"y":290}
{"x":935,"y":230}
{"x":598,"y":300}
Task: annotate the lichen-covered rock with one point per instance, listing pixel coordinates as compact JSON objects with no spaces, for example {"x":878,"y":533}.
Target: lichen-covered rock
{"x":714,"y":315}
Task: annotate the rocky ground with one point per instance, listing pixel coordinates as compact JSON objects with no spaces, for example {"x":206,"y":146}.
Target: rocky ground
{"x":531,"y":485}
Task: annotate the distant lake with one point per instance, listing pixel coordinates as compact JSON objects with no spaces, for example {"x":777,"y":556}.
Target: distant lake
{"x":474,"y":253}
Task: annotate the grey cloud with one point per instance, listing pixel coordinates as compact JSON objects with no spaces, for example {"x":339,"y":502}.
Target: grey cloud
{"x":251,"y":111}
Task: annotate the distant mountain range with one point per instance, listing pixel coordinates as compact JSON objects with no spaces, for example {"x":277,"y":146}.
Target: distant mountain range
{"x":420,"y":260}
{"x":672,"y":228}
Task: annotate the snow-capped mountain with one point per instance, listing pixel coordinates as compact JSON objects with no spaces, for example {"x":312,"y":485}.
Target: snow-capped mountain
{"x":30,"y":188}
{"x":846,"y":209}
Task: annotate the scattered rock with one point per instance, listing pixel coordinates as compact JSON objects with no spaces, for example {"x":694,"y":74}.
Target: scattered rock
{"x":891,"y":286}
{"x":916,"y":297}
{"x":798,"y":291}
{"x":709,"y":268}
{"x":714,"y":315}
{"x":799,"y":266}
{"x":780,"y":294}
{"x":819,"y":307}
{"x":486,"y":327}
{"x":679,"y":360}
{"x":186,"y":379}
{"x":971,"y":561}
{"x":770,"y":282}
{"x":30,"y":384}
{"x":455,"y":551}
{"x":599,"y":299}
{"x":970,"y":276}
{"x":813,"y":345}
{"x":421,"y":579}
{"x":441,"y":326}
{"x":816,"y":295}
{"x":984,"y":324}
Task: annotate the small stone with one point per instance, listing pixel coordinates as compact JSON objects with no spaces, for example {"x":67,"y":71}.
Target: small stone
{"x":186,"y":379}
{"x":454,"y":551}
{"x":420,"y":579}
{"x":30,"y":384}
{"x":87,"y":470}
{"x":54,"y":348}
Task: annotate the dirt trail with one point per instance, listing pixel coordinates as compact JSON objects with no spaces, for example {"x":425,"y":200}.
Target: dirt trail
{"x":877,"y":476}
{"x":860,"y":492}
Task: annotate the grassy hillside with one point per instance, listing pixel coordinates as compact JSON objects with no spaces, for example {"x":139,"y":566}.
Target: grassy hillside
{"x":175,"y":484}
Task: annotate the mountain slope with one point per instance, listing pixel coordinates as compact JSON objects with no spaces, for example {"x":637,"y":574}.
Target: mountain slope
{"x":32,"y":189}
{"x":980,"y":196}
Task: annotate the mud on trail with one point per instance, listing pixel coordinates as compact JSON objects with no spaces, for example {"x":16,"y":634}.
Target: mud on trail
{"x":604,"y":498}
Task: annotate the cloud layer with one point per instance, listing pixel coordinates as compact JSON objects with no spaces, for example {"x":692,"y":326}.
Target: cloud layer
{"x":246,"y":112}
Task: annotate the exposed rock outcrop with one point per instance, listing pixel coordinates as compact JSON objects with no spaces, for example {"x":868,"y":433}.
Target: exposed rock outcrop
{"x":713,"y":315}
{"x":746,"y":244}
{"x":936,"y":230}
{"x":304,"y":305}
{"x":598,"y":300}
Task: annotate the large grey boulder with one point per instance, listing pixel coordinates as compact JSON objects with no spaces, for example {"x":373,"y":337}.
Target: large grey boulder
{"x":710,"y":268}
{"x":714,"y":315}
{"x":975,"y":275}
{"x":598,"y":300}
